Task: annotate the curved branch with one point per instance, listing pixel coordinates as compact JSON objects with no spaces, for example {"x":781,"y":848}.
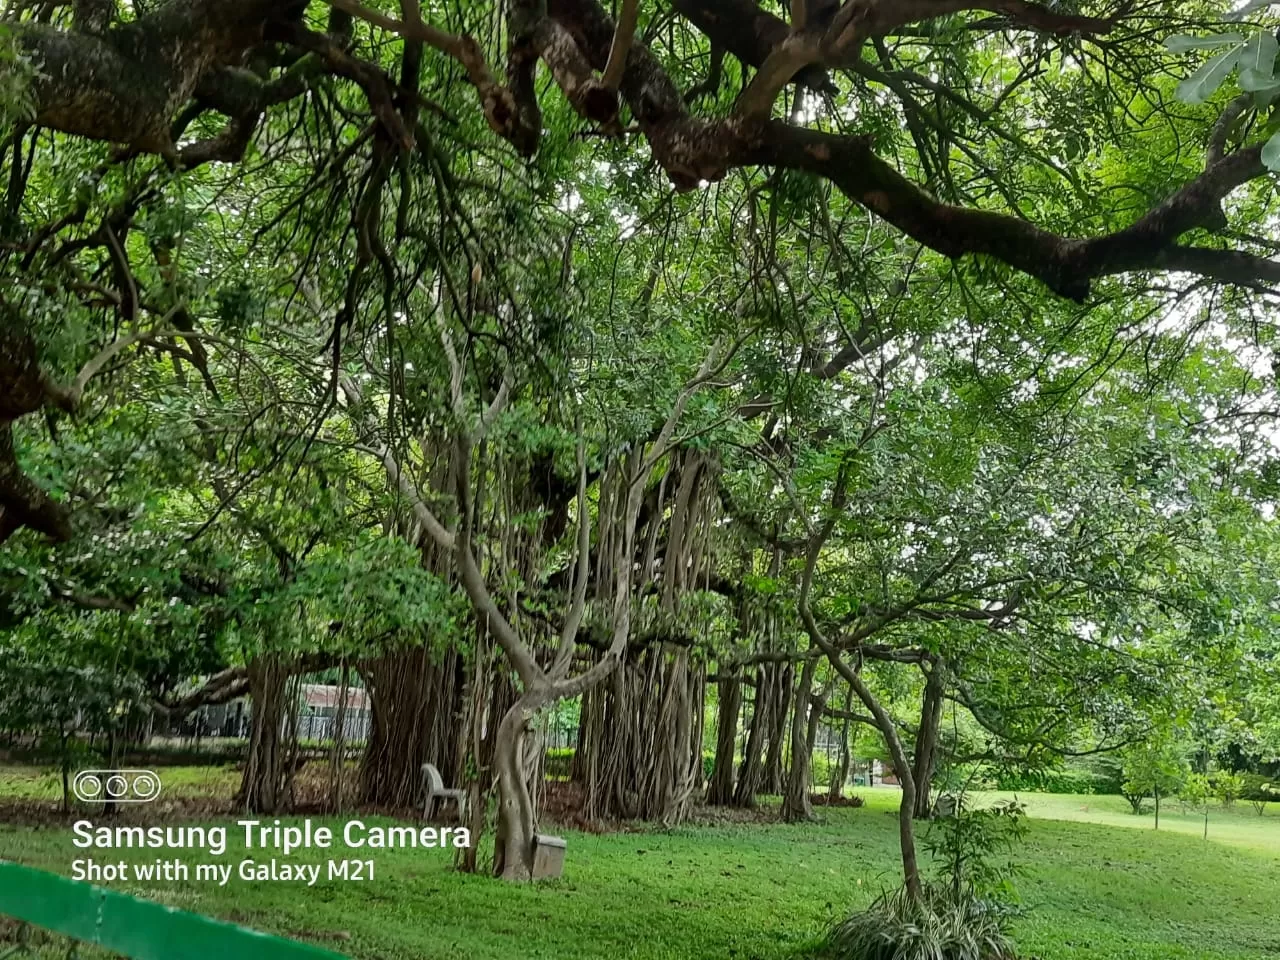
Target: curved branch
{"x":694,"y":151}
{"x":748,"y":32}
{"x":787,"y":59}
{"x":621,"y":46}
{"x":70,"y":397}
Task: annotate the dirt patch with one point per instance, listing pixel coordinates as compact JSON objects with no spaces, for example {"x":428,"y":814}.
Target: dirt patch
{"x":716,"y":816}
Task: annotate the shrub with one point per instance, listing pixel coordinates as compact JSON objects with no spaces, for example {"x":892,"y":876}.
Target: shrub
{"x":1065,"y":780}
{"x":1228,"y":787}
{"x":940,"y":926}
{"x":954,"y":919}
{"x":966,"y":845}
{"x":1259,"y":790}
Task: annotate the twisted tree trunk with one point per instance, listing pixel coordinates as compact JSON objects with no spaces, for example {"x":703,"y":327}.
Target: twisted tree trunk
{"x":513,"y":851}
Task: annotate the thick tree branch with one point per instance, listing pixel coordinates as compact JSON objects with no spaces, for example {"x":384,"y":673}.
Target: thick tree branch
{"x":796,"y":52}
{"x":591,"y":97}
{"x":231,"y":683}
{"x":693,"y":151}
{"x":22,"y":502}
{"x":1225,"y":266}
{"x":125,"y":85}
{"x":749,"y":33}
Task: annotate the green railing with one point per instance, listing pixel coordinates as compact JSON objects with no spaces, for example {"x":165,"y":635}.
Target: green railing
{"x":138,"y":929}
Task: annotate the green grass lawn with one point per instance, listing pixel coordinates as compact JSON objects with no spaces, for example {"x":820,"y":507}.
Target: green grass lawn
{"x":1098,"y":884}
{"x":1240,"y":826}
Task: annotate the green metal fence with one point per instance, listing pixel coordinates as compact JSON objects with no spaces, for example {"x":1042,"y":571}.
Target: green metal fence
{"x":135,"y":928}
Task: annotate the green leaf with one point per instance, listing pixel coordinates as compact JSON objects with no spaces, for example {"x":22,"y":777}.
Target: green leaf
{"x":1252,"y":82}
{"x":1202,"y":84}
{"x":1271,"y":154}
{"x":1258,"y":63}
{"x":1183,"y":43}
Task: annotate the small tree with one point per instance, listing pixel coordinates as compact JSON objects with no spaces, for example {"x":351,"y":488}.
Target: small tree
{"x":1258,"y":791}
{"x":1228,"y":788}
{"x":1135,"y":791}
{"x":1198,"y":790}
{"x":966,"y":843}
{"x":1153,"y":770}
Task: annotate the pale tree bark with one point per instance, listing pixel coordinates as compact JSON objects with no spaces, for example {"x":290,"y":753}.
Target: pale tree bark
{"x":514,"y":844}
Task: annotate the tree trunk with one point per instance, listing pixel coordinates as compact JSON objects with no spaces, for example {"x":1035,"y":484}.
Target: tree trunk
{"x":780,"y":707}
{"x":926,"y":746}
{"x":338,"y":751}
{"x":804,"y":730}
{"x":262,"y":789}
{"x":578,"y":767}
{"x":720,"y":793}
{"x":752,"y":770}
{"x":840,"y":772}
{"x":415,"y":702}
{"x":906,"y":809}
{"x":513,"y":850}
{"x":641,"y":754}
{"x":487,"y":695}
{"x":64,"y":740}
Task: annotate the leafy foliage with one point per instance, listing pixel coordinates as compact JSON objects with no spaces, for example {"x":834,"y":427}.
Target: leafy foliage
{"x":1153,"y":769}
{"x":1250,"y":56}
{"x":941,"y":926}
{"x":966,"y":842}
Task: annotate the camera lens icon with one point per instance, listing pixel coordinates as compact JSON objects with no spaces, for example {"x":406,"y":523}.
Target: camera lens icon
{"x":146,"y":786}
{"x":116,"y":786}
{"x":87,"y":786}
